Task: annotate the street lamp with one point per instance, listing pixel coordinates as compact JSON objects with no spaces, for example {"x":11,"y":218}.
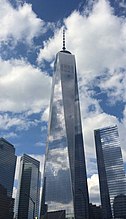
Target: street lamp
{"x":32,"y":203}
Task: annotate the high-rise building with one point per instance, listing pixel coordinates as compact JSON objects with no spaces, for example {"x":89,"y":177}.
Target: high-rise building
{"x":65,"y":180}
{"x":7,"y":165}
{"x":95,"y":211}
{"x":28,"y":193}
{"x":6,"y":204}
{"x":111,"y":172}
{"x":7,"y":172}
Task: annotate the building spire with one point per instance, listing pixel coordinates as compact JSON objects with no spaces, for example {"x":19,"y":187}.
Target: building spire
{"x":64,"y":48}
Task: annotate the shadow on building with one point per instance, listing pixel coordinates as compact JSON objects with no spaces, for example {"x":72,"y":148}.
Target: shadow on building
{"x":119,"y":206}
{"x":6,"y":204}
{"x":95,"y":211}
{"x":54,"y":215}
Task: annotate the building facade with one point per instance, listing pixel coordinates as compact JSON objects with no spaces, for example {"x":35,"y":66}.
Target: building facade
{"x":95,"y":211}
{"x":6,"y":204}
{"x":65,"y":180}
{"x":7,"y":172}
{"x":111,"y":173}
{"x":7,"y":165}
{"x":28,"y":193}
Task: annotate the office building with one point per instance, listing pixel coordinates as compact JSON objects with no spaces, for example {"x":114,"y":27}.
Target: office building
{"x":111,"y":173}
{"x":7,"y":165}
{"x":95,"y":211}
{"x":55,"y":215}
{"x":65,"y":180}
{"x":6,"y":204}
{"x":7,"y":172}
{"x":27,"y":199}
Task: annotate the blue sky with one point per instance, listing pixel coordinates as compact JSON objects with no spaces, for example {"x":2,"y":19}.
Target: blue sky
{"x":30,"y":38}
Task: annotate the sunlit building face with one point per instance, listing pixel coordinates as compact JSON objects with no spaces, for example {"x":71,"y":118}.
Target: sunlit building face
{"x":111,"y":173}
{"x":65,"y":181}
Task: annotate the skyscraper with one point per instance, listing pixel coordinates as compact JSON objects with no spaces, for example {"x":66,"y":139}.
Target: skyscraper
{"x":7,"y":171}
{"x":7,"y":165}
{"x":6,"y":204}
{"x":27,"y":199}
{"x":65,"y":180}
{"x":111,"y":173}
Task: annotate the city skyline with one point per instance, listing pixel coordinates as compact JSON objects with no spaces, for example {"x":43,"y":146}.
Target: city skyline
{"x":95,"y":33}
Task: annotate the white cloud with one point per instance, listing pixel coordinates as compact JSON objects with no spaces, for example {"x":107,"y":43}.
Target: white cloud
{"x":90,"y":124}
{"x":23,"y":87}
{"x":17,"y":167}
{"x":100,"y":46}
{"x":19,"y":121}
{"x":10,"y":135}
{"x":19,"y":23}
{"x":45,"y":115}
{"x":51,"y":47}
{"x":114,"y":85}
{"x":93,"y":186}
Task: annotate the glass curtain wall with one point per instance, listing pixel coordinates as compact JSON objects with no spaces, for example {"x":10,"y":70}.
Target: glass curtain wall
{"x":111,"y":172}
{"x":65,"y":181}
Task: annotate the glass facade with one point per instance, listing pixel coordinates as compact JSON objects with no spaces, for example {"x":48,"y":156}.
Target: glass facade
{"x":7,"y":165}
{"x":111,"y":173}
{"x":6,"y":204}
{"x":65,"y":181}
{"x":27,"y":199}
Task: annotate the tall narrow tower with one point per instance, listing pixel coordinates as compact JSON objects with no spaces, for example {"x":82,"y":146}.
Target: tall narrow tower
{"x":65,"y":180}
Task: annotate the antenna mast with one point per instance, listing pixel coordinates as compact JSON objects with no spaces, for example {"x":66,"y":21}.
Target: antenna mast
{"x":64,"y":39}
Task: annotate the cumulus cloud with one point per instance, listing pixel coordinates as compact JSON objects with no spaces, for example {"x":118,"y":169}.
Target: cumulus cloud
{"x":100,"y":44}
{"x":19,"y":121}
{"x":100,"y":48}
{"x":23,"y":87}
{"x":19,"y":23}
{"x":113,"y":84}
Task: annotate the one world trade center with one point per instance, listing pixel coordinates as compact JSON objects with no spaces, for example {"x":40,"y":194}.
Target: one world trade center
{"x":65,"y":189}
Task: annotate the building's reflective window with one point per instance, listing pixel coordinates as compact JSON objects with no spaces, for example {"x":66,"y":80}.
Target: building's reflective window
{"x":111,"y":170}
{"x":28,"y":193}
{"x":65,"y":184}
